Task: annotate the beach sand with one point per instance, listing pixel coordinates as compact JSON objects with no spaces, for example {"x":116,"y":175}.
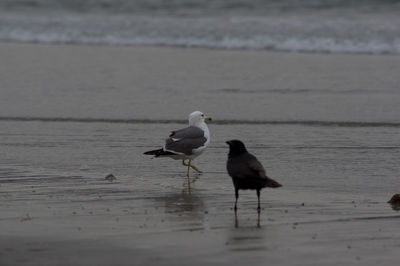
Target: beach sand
{"x":123,"y":82}
{"x":57,"y":208}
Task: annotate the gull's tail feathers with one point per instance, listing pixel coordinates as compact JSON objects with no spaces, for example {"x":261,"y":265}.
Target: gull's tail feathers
{"x":159,"y":152}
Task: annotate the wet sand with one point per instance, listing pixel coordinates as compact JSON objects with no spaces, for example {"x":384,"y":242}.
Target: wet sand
{"x":57,"y":208}
{"x":125,"y":82}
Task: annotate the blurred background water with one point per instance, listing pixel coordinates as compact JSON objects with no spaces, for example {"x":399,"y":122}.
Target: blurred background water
{"x":328,"y":26}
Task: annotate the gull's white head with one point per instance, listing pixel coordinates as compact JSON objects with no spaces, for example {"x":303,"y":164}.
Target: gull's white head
{"x":197,"y":118}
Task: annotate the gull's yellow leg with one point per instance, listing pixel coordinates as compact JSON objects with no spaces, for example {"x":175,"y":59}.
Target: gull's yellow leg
{"x":191,"y":165}
{"x":195,"y":168}
{"x":188,"y":165}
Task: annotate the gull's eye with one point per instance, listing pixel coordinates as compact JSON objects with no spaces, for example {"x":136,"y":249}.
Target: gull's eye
{"x":202,"y":115}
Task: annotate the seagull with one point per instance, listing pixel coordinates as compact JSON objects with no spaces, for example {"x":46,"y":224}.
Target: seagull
{"x":246,"y":171}
{"x":187,"y":143}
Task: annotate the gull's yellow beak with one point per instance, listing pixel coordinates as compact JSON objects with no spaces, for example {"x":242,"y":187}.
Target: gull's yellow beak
{"x":207,"y":118}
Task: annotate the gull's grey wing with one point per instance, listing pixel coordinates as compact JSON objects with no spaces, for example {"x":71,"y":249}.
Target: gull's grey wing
{"x":188,"y":132}
{"x":185,"y":140}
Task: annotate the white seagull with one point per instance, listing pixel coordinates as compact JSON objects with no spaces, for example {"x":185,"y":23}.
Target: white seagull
{"x":186,"y":143}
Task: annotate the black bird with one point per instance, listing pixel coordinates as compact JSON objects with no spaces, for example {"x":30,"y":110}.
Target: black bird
{"x":246,"y":171}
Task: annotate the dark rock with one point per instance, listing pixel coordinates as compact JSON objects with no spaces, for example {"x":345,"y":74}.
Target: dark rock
{"x":395,"y":202}
{"x":395,"y":199}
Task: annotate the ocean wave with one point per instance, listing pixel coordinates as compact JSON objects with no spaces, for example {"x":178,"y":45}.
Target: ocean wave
{"x":332,"y":32}
{"x":290,"y":44}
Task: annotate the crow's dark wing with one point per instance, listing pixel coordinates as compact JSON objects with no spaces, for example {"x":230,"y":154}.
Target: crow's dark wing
{"x":246,"y":168}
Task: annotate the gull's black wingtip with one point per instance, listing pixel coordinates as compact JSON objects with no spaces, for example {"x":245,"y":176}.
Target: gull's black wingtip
{"x":154,"y":152}
{"x":159,"y":152}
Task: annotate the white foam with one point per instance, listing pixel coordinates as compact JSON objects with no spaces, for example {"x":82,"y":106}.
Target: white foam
{"x":208,"y":32}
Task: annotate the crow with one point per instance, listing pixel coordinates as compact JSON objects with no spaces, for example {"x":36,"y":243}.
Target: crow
{"x":246,"y":171}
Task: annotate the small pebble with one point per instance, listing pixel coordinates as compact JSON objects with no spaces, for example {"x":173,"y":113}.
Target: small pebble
{"x":26,"y":218}
{"x":110,"y":177}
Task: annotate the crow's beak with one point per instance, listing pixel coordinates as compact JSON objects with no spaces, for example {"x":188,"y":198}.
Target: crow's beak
{"x":228,"y":142}
{"x":207,"y":118}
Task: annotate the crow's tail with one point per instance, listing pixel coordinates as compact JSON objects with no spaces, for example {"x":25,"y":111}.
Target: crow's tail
{"x":269,"y":182}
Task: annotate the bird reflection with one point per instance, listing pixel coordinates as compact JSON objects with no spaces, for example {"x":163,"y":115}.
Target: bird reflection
{"x":237,"y":220}
{"x":187,"y":184}
{"x":183,"y":203}
{"x":246,"y":237}
{"x":182,"y":210}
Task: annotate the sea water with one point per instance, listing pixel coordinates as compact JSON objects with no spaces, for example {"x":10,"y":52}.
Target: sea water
{"x":330,"y":26}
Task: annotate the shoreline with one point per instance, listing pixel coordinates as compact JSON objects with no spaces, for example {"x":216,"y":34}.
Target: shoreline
{"x":194,"y":48}
{"x":352,"y":124}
